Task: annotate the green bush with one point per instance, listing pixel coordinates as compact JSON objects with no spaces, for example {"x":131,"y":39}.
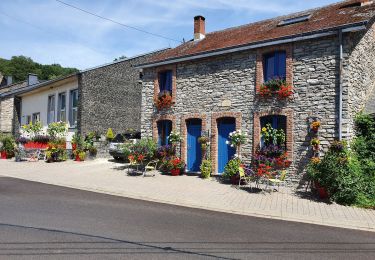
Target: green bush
{"x":146,"y":147}
{"x":110,"y":134}
{"x":127,"y":149}
{"x":206,"y":169}
{"x":8,"y":144}
{"x":231,"y":169}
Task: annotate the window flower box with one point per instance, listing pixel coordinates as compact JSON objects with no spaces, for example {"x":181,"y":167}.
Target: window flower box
{"x":164,"y":100}
{"x":276,"y":87}
{"x":35,"y":145}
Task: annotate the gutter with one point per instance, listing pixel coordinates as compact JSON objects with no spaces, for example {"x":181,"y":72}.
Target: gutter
{"x":306,"y":36}
{"x":341,"y":61}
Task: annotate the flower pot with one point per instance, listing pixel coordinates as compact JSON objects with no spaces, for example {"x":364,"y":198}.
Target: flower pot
{"x":78,"y":159}
{"x":175,"y":172}
{"x":323,"y":194}
{"x":3,"y":155}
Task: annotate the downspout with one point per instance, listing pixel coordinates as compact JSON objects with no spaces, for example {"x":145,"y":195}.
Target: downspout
{"x":340,"y":83}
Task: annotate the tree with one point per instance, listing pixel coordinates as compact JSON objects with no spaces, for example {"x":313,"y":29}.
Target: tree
{"x":20,"y":66}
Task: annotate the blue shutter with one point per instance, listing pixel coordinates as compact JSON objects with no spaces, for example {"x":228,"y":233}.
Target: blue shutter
{"x":167,"y":131}
{"x":168,"y":81}
{"x":281,"y":64}
{"x":160,"y":130}
{"x":269,"y":67}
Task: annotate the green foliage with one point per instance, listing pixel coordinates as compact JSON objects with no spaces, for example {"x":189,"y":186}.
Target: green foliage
{"x":126,"y":148}
{"x":146,"y":147}
{"x":110,"y":134}
{"x":273,"y":136}
{"x":57,"y":129}
{"x":33,"y":129}
{"x":206,"y":169}
{"x":231,"y":169}
{"x":174,"y":138}
{"x":8,"y":144}
{"x":20,"y":66}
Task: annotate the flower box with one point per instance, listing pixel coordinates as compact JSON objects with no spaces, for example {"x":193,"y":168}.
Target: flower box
{"x":276,"y":87}
{"x":35,"y":145}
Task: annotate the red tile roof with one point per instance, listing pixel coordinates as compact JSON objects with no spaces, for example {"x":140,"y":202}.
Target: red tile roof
{"x":324,"y":18}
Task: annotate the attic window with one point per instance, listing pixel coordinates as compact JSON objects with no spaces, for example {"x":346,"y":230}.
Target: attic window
{"x":293,"y":20}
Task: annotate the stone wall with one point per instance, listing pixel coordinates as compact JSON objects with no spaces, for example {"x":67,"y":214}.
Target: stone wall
{"x":110,"y":96}
{"x":7,"y":115}
{"x":359,"y":76}
{"x":226,"y":84}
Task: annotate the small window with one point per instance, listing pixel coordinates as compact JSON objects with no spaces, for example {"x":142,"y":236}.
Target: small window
{"x":293,"y":20}
{"x":165,"y":81}
{"x":36,"y":118}
{"x":276,"y":121}
{"x":274,"y":65}
{"x":51,"y":109}
{"x":61,"y":104}
{"x":73,"y":104}
{"x":28,"y":120}
{"x":164,"y":130}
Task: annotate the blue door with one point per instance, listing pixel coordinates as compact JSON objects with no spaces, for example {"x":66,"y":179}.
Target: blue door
{"x":194,"y":152}
{"x":225,"y":152}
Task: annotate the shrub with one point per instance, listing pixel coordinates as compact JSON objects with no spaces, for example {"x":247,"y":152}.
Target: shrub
{"x":206,"y":169}
{"x":8,"y":145}
{"x":126,"y":149}
{"x":110,"y":135}
{"x":147,"y":147}
{"x":33,"y":129}
{"x":166,"y":151}
{"x":231,"y":169}
{"x":57,"y":129}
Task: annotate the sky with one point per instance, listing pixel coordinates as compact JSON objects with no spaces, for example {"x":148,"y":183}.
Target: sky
{"x":50,"y":32}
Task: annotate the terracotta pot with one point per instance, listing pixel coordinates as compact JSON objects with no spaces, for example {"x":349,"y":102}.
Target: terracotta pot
{"x":175,"y":172}
{"x":323,"y":194}
{"x":3,"y":155}
{"x":78,"y":159}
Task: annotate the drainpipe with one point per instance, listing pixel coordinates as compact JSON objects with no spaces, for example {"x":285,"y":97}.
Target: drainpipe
{"x":340,"y":82}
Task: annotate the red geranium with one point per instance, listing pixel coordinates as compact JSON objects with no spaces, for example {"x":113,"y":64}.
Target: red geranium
{"x":285,"y":91}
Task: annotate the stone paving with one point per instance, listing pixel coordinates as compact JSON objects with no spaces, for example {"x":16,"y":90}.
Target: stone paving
{"x":111,"y":178}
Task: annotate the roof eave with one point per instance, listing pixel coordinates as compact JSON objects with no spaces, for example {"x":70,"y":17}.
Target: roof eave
{"x":282,"y":40}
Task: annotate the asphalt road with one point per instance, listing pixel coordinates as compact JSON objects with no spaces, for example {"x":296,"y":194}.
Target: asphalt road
{"x":39,"y":221}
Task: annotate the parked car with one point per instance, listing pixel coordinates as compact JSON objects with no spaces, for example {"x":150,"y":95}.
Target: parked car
{"x":115,"y":149}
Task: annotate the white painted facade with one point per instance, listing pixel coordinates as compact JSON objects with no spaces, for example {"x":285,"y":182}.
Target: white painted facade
{"x":37,"y":102}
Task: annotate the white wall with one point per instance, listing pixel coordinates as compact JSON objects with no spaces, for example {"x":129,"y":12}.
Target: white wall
{"x":38,"y":103}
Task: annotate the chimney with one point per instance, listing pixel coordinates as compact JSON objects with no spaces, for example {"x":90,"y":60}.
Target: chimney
{"x":9,"y":80}
{"x":199,"y":28}
{"x":32,"y":79}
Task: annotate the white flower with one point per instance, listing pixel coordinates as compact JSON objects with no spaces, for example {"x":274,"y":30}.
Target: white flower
{"x":227,"y":142}
{"x":230,"y":134}
{"x":235,"y":155}
{"x":231,"y":145}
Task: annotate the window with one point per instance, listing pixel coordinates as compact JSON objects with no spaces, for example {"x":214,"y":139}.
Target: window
{"x":165,"y":81}
{"x":293,"y":20}
{"x":274,"y":65}
{"x":51,"y":109}
{"x":28,"y":120}
{"x":36,"y":118}
{"x":61,"y":107}
{"x":164,"y":130}
{"x":276,"y":121}
{"x":73,"y":107}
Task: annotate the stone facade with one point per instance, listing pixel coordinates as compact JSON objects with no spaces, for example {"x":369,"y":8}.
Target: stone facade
{"x":226,"y":85}
{"x":109,"y":97}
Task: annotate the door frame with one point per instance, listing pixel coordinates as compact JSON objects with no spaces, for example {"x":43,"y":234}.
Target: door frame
{"x":214,"y":133}
{"x":184,"y":120}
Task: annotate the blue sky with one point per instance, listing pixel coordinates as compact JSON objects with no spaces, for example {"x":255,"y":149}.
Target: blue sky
{"x":50,"y":32}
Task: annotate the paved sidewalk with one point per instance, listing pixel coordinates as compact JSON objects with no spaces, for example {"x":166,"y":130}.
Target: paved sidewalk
{"x":111,"y":178}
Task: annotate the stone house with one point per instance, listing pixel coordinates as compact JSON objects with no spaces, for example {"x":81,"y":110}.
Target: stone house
{"x":90,"y":100}
{"x":326,"y":54}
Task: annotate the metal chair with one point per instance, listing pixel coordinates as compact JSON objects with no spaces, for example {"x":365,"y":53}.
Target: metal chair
{"x":280,"y":180}
{"x":150,"y":166}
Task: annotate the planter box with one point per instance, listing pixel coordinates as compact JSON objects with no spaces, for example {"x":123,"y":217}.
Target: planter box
{"x":35,"y":145}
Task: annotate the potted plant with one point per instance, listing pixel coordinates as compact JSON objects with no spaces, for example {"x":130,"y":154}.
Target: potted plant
{"x":206,"y":169}
{"x":236,"y":139}
{"x":276,"y":86}
{"x":177,"y":165}
{"x":174,"y":138}
{"x":315,"y":126}
{"x":204,"y":141}
{"x":110,"y":135}
{"x":8,"y":147}
{"x":80,"y":155}
{"x":231,"y":170}
{"x":315,"y":142}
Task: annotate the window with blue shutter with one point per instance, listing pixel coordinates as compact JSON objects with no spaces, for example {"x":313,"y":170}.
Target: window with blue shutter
{"x":274,"y":65}
{"x":164,"y":130}
{"x":165,"y":81}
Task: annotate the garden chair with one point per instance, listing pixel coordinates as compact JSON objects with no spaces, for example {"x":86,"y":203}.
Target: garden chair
{"x":279,"y":180}
{"x":150,"y":166}
{"x":243,"y":177}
